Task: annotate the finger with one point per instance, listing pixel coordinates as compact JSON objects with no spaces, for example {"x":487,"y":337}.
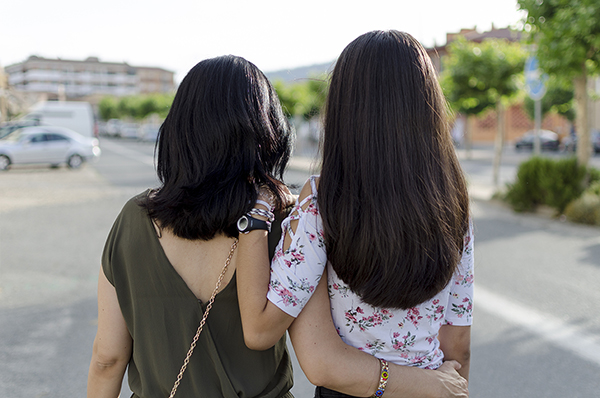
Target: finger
{"x":454,"y":364}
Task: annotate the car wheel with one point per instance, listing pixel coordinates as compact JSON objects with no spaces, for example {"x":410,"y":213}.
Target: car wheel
{"x":75,"y":162}
{"x":4,"y":162}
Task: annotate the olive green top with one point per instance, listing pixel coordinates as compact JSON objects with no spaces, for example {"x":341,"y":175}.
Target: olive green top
{"x":162,"y":315}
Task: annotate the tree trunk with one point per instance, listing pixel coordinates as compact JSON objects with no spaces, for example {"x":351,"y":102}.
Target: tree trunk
{"x":498,"y":143}
{"x":584,"y":147}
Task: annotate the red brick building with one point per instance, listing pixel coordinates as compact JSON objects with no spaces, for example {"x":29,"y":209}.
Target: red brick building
{"x":517,"y":122}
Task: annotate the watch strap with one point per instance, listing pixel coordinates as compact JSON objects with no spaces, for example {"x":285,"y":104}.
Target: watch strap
{"x":247,"y":223}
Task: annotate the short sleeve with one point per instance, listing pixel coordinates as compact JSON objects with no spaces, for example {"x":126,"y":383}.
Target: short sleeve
{"x":112,"y":241}
{"x":460,"y":304}
{"x":108,"y":252}
{"x":295,"y":272}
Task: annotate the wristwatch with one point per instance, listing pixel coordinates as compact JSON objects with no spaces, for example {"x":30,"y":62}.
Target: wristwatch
{"x":248,"y":223}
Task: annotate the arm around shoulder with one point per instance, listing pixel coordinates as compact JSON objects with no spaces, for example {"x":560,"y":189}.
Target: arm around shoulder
{"x":327,"y":361}
{"x":263,"y":322}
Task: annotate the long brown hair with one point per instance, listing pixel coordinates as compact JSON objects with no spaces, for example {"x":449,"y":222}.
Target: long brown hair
{"x":392,"y":195}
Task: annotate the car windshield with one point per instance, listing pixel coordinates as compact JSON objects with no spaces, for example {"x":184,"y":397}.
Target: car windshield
{"x":6,"y":130}
{"x":14,"y":136}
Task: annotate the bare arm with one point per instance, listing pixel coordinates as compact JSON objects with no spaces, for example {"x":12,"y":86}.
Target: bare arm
{"x":327,"y":361}
{"x":262,"y":321}
{"x":455,"y":342}
{"x":112,"y":345}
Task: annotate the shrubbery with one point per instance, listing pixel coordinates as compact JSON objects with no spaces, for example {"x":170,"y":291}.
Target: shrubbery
{"x":586,"y":208}
{"x":527,"y":193}
{"x":558,"y":184}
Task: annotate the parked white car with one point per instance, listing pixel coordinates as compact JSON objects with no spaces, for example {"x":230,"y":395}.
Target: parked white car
{"x":47,"y":144}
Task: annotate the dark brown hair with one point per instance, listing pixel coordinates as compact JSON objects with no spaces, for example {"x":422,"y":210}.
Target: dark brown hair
{"x":224,"y":133}
{"x":392,"y":195}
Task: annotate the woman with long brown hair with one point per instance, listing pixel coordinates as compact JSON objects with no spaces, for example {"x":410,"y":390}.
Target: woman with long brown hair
{"x":386,"y":225}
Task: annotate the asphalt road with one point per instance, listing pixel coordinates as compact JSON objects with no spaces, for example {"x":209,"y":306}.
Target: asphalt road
{"x":536,"y":331}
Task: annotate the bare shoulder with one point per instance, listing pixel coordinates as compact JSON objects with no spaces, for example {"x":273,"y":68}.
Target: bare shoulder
{"x":307,"y":190}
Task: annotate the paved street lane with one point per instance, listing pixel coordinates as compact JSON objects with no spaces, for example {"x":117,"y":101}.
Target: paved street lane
{"x":537,"y":290}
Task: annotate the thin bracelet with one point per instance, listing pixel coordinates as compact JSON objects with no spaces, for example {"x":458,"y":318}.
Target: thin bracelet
{"x":269,"y":206}
{"x":383,"y":378}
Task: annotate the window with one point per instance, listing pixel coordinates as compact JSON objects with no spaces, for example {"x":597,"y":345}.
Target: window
{"x":38,"y":138}
{"x":56,"y":137}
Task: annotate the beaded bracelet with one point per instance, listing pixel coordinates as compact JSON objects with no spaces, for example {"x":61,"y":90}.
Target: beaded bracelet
{"x":383,"y":379}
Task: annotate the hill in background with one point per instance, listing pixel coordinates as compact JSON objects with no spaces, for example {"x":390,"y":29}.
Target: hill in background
{"x":303,"y":72}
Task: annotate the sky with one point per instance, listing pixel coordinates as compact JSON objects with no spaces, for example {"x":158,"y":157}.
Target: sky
{"x":273,"y":34}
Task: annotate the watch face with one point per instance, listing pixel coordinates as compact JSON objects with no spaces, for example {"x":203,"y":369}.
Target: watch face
{"x":242,"y":223}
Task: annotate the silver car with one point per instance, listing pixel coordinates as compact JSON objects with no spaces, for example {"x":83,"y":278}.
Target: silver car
{"x":47,"y":144}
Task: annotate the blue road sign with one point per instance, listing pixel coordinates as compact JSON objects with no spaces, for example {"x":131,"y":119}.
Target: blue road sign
{"x":535,"y":80}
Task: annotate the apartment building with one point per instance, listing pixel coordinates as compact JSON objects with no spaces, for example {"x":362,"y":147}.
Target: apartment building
{"x":87,"y":79}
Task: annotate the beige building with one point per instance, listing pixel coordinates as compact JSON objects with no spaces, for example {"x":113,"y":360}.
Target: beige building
{"x":87,"y":80}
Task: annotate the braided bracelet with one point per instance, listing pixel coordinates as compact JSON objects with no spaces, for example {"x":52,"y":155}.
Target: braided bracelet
{"x":383,"y":379}
{"x":263,"y":213}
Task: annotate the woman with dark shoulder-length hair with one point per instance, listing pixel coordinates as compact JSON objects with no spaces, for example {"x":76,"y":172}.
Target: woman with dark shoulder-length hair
{"x":385,"y":229}
{"x":225,"y":134}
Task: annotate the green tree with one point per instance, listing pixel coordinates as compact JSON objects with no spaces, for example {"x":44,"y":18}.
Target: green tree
{"x":302,"y":99}
{"x":135,"y":106}
{"x":147,"y":106}
{"x":567,"y":36}
{"x":163,"y":104}
{"x":108,"y":108}
{"x":130,"y":106}
{"x":479,"y":76}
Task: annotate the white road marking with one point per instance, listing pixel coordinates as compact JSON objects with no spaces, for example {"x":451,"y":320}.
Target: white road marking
{"x":549,"y":328}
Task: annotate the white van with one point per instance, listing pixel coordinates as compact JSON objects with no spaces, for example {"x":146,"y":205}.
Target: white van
{"x":77,"y":116}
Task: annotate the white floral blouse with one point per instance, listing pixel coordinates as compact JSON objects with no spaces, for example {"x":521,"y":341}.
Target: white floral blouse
{"x":405,"y":337}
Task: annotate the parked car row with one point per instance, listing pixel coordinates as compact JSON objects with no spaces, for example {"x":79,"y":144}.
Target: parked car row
{"x":47,"y":144}
{"x":550,"y":141}
{"x":570,"y":143}
{"x":129,"y":130}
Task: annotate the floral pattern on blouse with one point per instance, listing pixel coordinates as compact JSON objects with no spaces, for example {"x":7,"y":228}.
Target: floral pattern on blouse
{"x":405,"y":337}
{"x":299,"y":268}
{"x":357,"y":317}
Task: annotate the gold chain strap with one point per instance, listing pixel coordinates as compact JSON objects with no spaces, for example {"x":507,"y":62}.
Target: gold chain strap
{"x":203,"y":321}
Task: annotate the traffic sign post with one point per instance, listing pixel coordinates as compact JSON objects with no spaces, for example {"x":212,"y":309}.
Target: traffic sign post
{"x":535,"y":83}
